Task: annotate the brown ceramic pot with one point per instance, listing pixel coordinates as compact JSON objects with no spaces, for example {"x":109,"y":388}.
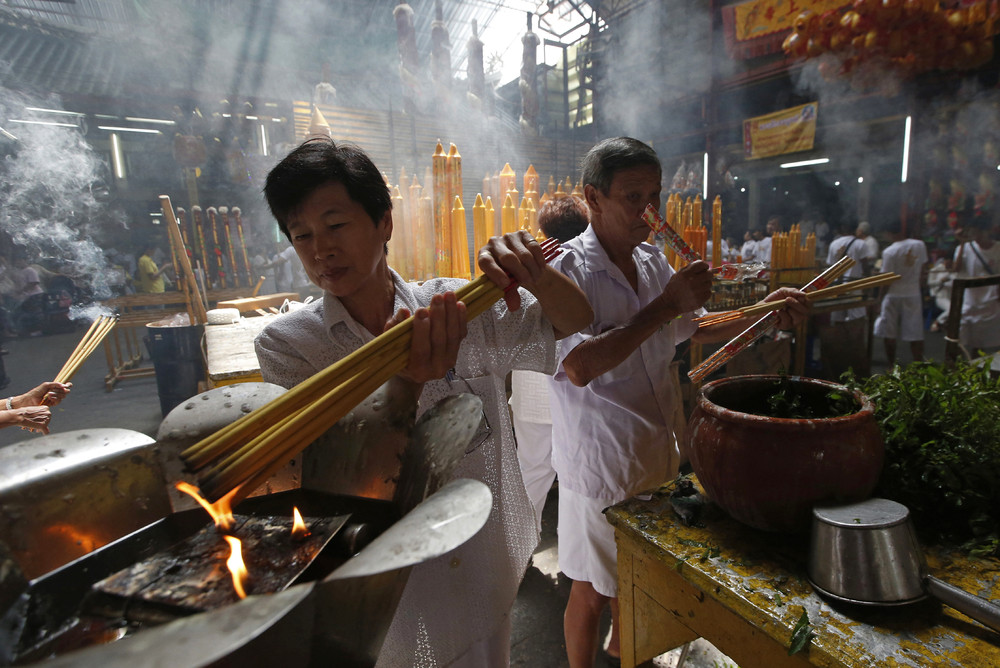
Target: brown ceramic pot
{"x":769,"y":472}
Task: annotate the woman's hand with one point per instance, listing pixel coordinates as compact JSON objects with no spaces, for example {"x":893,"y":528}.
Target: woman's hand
{"x":514,"y":256}
{"x":438,"y":331}
{"x":796,"y":306}
{"x":48,"y":394}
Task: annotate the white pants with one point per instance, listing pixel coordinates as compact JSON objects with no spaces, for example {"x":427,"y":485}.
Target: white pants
{"x":901,"y":317}
{"x":534,"y":454}
{"x":587,"y":550}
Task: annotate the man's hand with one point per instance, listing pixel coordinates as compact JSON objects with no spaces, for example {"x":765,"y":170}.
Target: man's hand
{"x":49,"y":394}
{"x":689,"y":288}
{"x":34,"y":418}
{"x":437,"y":335}
{"x":514,"y":256}
{"x":796,"y":306}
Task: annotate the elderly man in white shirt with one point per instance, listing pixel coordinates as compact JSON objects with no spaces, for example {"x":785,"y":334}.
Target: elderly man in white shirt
{"x":612,"y":402}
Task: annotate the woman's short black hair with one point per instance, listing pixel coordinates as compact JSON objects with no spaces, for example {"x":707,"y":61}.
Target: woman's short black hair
{"x":319,"y":161}
{"x":610,"y":156}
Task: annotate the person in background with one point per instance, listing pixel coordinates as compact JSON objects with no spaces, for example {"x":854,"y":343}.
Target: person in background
{"x":748,"y":252}
{"x":978,"y":254}
{"x":562,"y":218}
{"x":901,"y":315}
{"x":333,"y":204}
{"x":763,"y":252}
{"x":29,"y":298}
{"x":864,"y":232}
{"x":31,"y":409}
{"x":844,"y":341}
{"x":612,"y":399}
{"x":150,"y":276}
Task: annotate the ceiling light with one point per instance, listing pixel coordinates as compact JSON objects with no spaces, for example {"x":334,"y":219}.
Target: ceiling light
{"x":112,"y":128}
{"x":161,"y":121}
{"x":805,"y":163}
{"x":52,"y":123}
{"x":861,"y":179}
{"x":906,"y":150}
{"x":53,"y":111}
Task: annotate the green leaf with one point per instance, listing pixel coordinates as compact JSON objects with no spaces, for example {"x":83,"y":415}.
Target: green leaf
{"x":802,"y":634}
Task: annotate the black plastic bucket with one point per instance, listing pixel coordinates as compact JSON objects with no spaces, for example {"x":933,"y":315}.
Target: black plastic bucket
{"x":176,"y":355}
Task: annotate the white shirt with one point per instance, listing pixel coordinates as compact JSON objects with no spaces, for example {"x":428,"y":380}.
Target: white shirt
{"x":854,"y":248}
{"x":461,"y":597}
{"x":749,"y":251}
{"x":763,"y":251}
{"x":907,"y":258}
{"x":613,"y":437}
{"x":978,"y":303}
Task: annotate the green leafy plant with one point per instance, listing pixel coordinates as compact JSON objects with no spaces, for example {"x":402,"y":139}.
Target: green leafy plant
{"x":941,"y":428}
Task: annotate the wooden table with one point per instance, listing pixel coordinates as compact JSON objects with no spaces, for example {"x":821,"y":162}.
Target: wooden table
{"x":744,"y":590}
{"x":230,"y":352}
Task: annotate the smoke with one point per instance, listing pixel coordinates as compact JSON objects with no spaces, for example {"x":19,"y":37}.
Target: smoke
{"x":53,"y":187}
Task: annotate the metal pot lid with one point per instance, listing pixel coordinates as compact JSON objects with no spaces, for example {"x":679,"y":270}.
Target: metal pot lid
{"x":869,"y":514}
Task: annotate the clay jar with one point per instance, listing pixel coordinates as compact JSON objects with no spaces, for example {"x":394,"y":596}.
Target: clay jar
{"x":769,"y":472}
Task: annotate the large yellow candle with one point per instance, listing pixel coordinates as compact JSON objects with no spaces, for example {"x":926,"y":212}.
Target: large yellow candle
{"x":531,"y":185}
{"x":425,"y":235}
{"x":442,"y":213}
{"x":508,"y":216}
{"x":497,"y":196}
{"x":508,"y":182}
{"x":416,"y":246}
{"x":459,"y":241}
{"x":578,"y":190}
{"x":399,"y":252}
{"x":479,"y":234}
{"x":522,"y":215}
{"x":717,"y":231}
{"x":559,"y":191}
{"x":454,"y":174}
{"x":533,"y":219}
{"x":491,"y":215}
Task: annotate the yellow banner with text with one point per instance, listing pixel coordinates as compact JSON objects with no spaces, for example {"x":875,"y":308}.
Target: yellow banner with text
{"x":785,"y":131}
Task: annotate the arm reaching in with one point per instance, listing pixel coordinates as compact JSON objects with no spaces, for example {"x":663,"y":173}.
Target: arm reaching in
{"x":518,"y":257}
{"x":688,"y":289}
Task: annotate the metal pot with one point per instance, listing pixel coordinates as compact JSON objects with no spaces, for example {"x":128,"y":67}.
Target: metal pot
{"x":867,"y":553}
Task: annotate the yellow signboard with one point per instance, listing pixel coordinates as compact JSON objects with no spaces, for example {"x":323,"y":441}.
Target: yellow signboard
{"x":761,"y":17}
{"x":785,"y":131}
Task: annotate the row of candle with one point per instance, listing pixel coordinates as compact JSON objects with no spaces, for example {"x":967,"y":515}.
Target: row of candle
{"x":431,"y":236}
{"x":789,"y":252}
{"x":685,"y":217}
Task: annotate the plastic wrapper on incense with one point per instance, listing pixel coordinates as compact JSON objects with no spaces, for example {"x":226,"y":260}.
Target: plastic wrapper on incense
{"x":674,"y":240}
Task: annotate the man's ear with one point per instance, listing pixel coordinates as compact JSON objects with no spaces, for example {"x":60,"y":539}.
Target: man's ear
{"x":590,"y":195}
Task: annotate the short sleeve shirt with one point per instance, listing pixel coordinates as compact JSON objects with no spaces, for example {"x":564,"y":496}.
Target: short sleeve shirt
{"x":613,"y":437}
{"x":461,"y":597}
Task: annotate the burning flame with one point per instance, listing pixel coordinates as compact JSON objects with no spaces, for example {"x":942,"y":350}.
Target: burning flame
{"x":299,"y":529}
{"x":221,"y":511}
{"x":236,"y":566}
{"x":222,"y":514}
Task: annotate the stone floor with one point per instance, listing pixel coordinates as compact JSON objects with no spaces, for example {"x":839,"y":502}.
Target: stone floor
{"x":537,"y":639}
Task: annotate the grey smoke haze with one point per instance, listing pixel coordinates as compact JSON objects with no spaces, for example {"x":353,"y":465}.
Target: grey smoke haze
{"x":51,"y":188}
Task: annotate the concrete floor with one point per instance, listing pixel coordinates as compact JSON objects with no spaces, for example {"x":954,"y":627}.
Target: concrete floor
{"x":537,"y":639}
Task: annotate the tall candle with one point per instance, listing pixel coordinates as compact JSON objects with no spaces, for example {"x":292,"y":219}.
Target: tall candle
{"x":459,"y":241}
{"x":479,"y":234}
{"x":508,"y":215}
{"x":442,"y":213}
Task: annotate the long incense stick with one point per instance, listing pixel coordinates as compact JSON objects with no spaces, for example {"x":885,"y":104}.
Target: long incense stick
{"x":95,"y":334}
{"x":249,"y":449}
{"x":764,"y":324}
{"x":825,"y":293}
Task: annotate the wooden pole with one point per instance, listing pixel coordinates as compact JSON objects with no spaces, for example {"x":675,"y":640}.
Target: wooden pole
{"x":195,"y":309}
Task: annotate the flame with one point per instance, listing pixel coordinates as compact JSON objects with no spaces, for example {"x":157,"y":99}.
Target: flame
{"x":221,"y":511}
{"x":236,"y":566}
{"x":299,"y":529}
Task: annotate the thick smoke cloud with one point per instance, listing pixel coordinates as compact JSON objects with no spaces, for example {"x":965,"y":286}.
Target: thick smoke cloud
{"x":53,"y":187}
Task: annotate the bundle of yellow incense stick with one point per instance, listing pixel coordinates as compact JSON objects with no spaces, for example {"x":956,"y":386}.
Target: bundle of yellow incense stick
{"x":765,"y":324}
{"x":825,"y":293}
{"x":98,"y":330}
{"x":247,"y":452}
